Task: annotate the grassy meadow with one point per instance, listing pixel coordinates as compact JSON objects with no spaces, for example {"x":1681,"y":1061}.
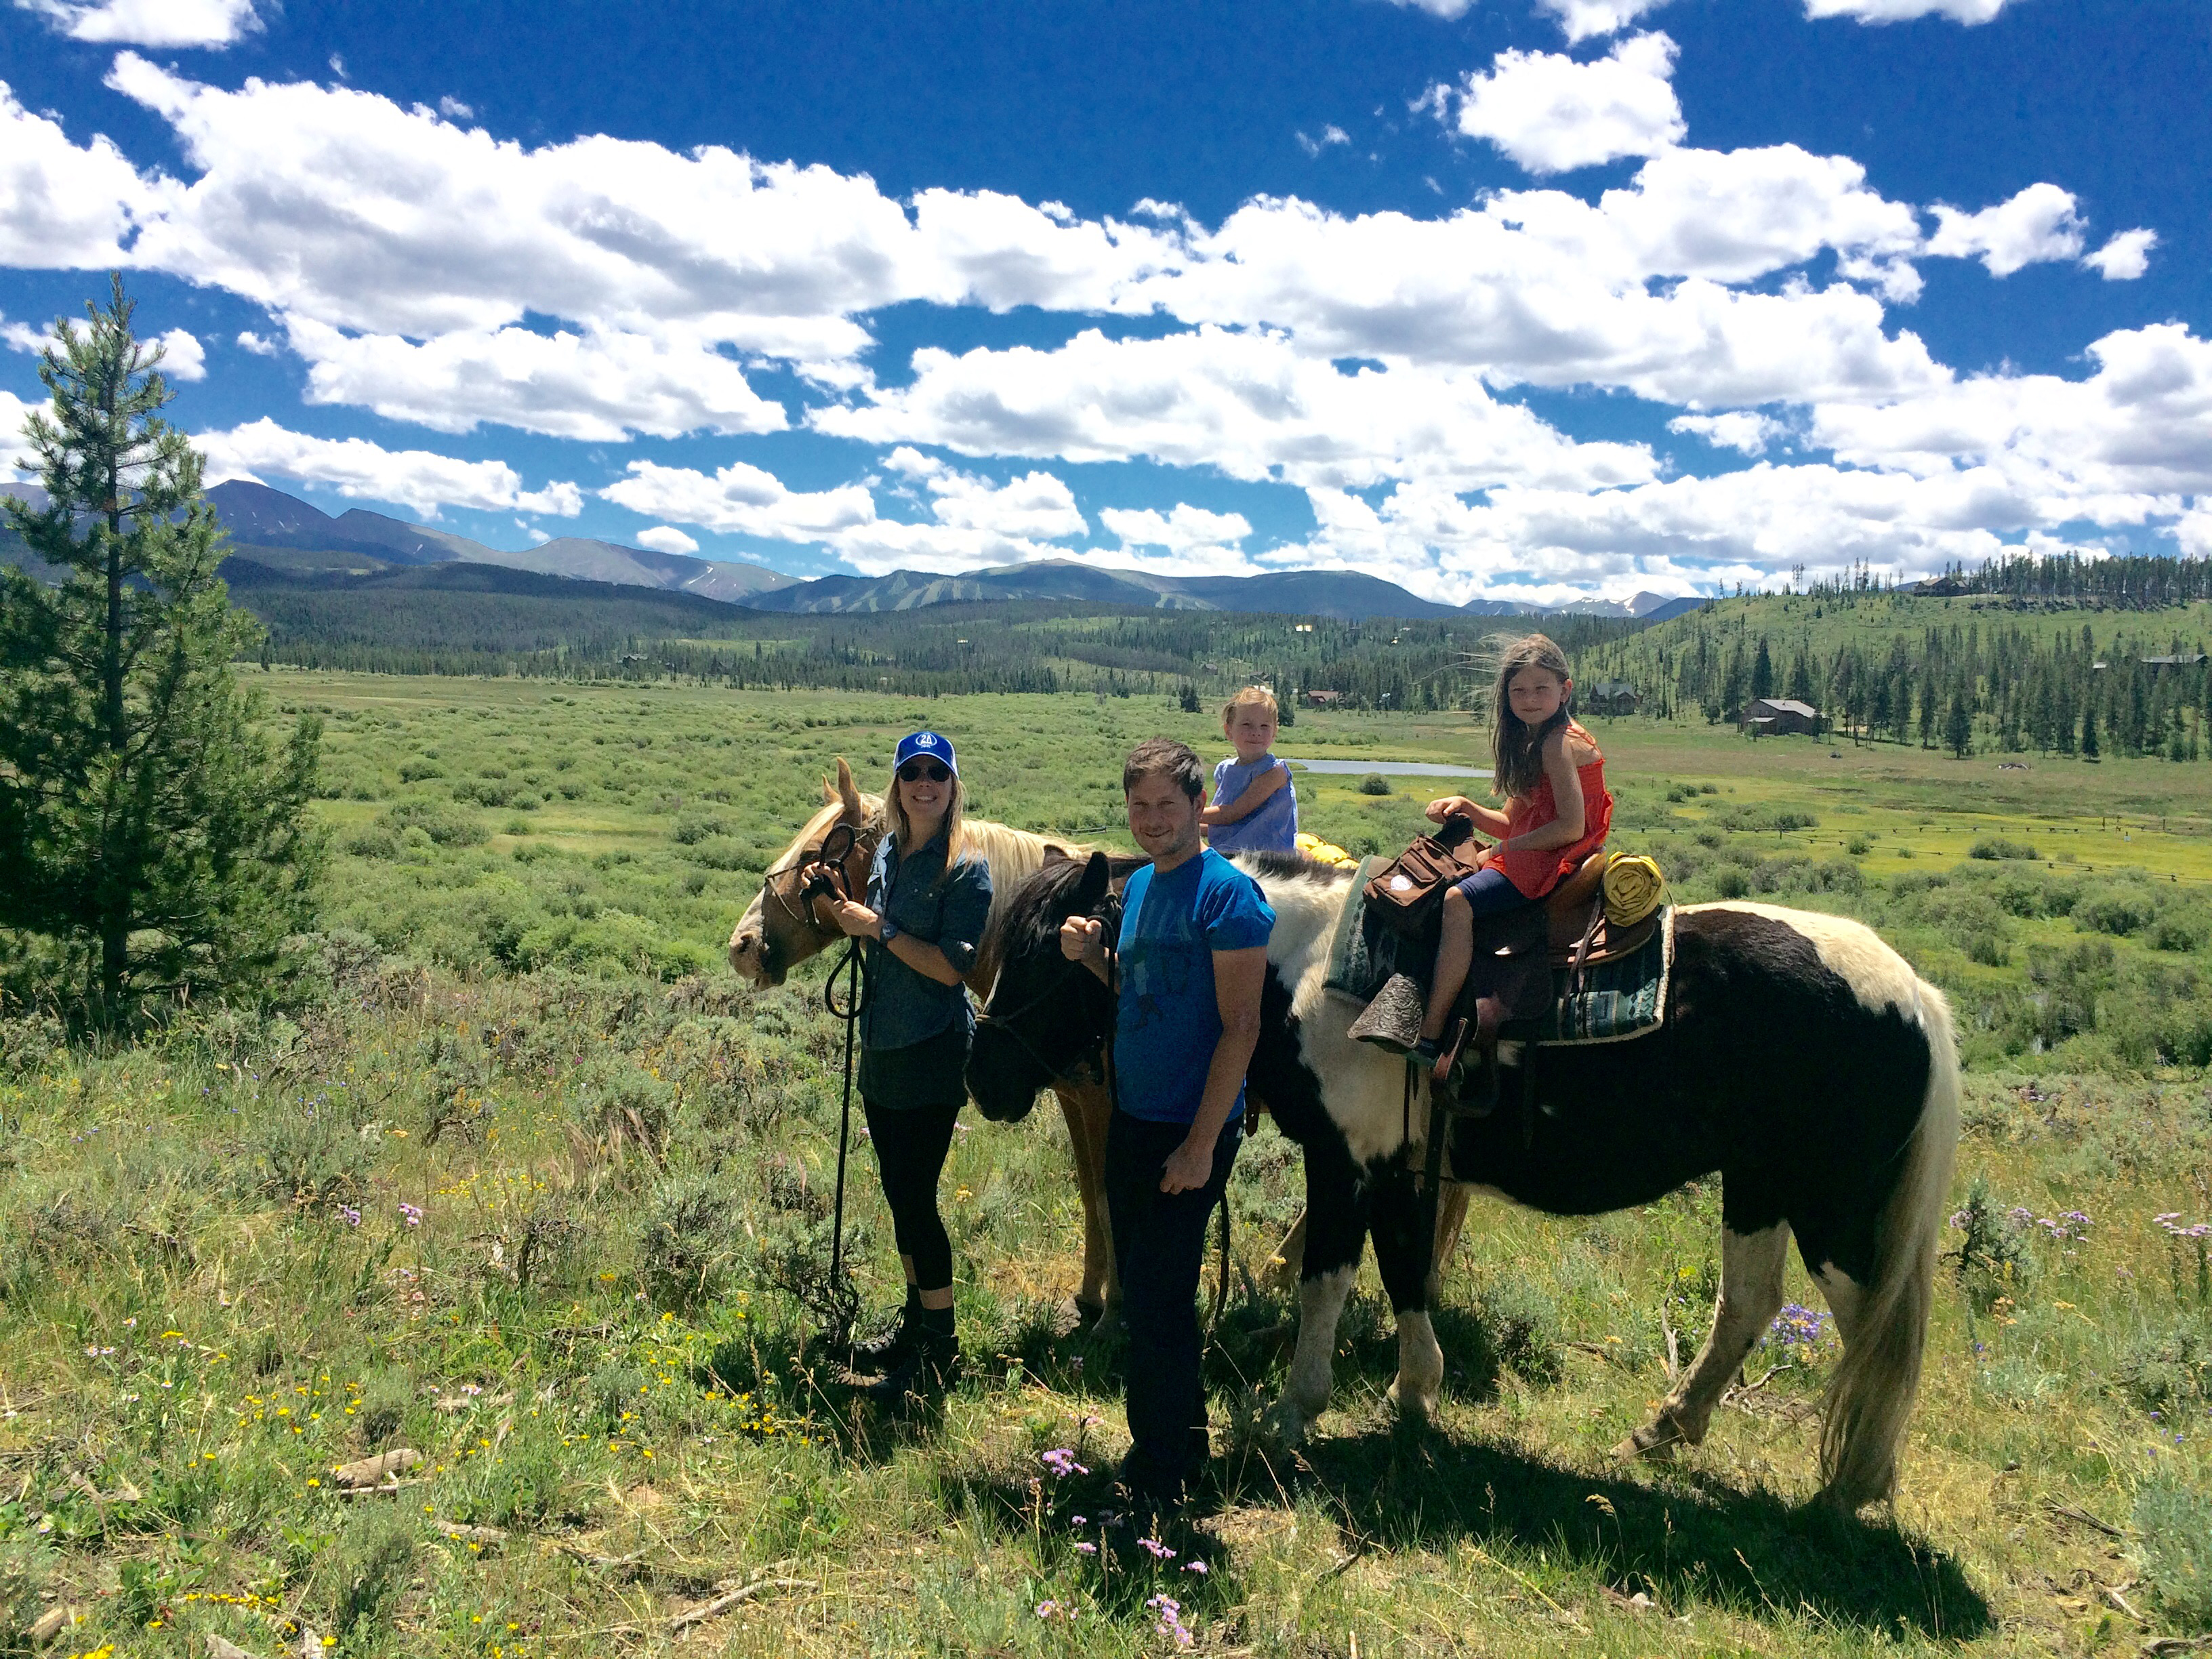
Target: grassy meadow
{"x":527,"y":1188}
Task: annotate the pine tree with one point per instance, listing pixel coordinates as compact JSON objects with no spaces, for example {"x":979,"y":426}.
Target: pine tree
{"x":1959,"y":725}
{"x":150,"y":835}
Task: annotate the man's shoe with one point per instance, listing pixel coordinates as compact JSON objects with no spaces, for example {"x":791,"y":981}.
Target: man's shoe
{"x":1392,"y":1020}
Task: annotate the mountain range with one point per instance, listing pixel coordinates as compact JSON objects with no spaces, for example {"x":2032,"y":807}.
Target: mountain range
{"x":281,"y":532}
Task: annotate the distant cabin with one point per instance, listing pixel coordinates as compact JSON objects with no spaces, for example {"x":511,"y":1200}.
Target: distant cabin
{"x":2188,"y":659}
{"x":1321,"y":699}
{"x":1768,"y":716}
{"x":1610,"y":697}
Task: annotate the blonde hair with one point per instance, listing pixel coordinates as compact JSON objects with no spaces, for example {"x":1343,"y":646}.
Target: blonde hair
{"x":1516,"y":749}
{"x":1252,"y":697}
{"x":893,"y":818}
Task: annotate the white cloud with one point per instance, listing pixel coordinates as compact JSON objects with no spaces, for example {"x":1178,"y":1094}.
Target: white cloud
{"x":1903,"y":11}
{"x":150,"y":22}
{"x":1447,"y":9}
{"x":2103,"y":447}
{"x":358,"y":469}
{"x":14,"y":411}
{"x":184,"y":358}
{"x":22,"y":337}
{"x":741,"y":500}
{"x":1743,"y":429}
{"x":2039,"y":224}
{"x":249,"y":340}
{"x":2125,"y":257}
{"x":666,"y":538}
{"x":1329,"y":134}
{"x":62,"y":207}
{"x":1187,"y":530}
{"x":1037,"y":505}
{"x":454,"y":109}
{"x":2193,"y":530}
{"x":1551,"y":114}
{"x":1581,"y":20}
{"x":1247,"y":404}
{"x":596,"y":386}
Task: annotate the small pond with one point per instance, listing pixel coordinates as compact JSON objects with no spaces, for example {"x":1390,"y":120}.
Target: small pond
{"x":1389,"y":769}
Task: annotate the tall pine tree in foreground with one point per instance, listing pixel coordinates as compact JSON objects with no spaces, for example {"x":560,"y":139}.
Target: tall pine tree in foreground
{"x":154,"y":840}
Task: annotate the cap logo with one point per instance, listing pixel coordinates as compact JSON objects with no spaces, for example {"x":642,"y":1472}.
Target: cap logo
{"x":925,"y":741}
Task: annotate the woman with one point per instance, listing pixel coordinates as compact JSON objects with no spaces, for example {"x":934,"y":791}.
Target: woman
{"x":924,"y":914}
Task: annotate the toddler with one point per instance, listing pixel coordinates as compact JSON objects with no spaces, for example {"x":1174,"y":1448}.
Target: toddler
{"x":1255,"y":805}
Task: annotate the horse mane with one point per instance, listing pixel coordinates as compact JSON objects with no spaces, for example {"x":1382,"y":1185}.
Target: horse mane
{"x":1027,"y":918}
{"x":1293,"y":866}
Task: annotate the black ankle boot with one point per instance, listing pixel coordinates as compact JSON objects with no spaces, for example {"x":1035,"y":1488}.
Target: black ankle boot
{"x":886,"y":1349}
{"x":930,"y":1365}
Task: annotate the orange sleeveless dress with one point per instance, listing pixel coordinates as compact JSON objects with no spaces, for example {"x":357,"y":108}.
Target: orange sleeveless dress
{"x":1536,"y":873}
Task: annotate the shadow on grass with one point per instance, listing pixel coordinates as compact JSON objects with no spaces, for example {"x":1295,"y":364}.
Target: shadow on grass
{"x":1697,"y":1540}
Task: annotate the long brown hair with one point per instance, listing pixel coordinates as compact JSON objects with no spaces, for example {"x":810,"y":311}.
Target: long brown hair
{"x":1516,"y":749}
{"x":895,"y":820}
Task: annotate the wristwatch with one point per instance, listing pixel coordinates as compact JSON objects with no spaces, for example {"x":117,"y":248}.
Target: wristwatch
{"x":887,"y":931}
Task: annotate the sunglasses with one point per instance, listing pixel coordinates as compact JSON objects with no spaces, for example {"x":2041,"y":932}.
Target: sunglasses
{"x":915,"y":771}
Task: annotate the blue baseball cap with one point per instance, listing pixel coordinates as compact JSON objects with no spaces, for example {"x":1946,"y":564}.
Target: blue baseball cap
{"x":928,"y":744}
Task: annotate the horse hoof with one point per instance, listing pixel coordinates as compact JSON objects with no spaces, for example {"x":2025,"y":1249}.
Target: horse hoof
{"x":1656,"y":1439}
{"x":1284,"y":1424}
{"x":1416,"y":1406}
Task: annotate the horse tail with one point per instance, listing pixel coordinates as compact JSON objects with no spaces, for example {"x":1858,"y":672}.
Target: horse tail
{"x":1872,"y":1392}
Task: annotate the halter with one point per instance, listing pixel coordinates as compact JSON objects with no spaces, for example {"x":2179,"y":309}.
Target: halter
{"x":820,"y":872}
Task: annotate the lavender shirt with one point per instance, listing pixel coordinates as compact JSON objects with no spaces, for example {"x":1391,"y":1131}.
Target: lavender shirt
{"x":1272,"y":829}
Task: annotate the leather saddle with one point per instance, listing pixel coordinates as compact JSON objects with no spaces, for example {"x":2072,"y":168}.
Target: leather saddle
{"x":1577,"y":932}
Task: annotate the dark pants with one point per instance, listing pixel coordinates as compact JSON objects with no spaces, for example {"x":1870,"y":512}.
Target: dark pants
{"x":1159,"y":1245}
{"x":1488,"y":893}
{"x":912,"y":1098}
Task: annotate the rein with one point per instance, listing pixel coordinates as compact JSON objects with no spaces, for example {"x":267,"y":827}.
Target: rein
{"x":825,"y":874}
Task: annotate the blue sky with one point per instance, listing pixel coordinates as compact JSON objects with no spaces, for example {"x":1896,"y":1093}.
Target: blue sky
{"x":1539,"y":299}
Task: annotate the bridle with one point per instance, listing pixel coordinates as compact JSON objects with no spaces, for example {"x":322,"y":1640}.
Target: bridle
{"x":1081,"y":1069}
{"x":821,"y":873}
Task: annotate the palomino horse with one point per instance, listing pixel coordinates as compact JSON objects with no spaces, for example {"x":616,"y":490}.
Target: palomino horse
{"x":1801,"y":1058}
{"x":782,"y":927}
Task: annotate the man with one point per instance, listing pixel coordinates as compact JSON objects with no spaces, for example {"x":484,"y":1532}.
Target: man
{"x":1192,"y":955}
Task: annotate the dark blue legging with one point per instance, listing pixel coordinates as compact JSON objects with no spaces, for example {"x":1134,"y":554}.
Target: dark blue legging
{"x":1488,"y":893}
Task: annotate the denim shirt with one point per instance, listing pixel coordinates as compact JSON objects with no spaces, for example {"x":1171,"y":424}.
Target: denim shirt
{"x":904,"y":1006}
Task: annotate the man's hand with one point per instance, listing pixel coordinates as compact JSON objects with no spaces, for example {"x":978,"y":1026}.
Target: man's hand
{"x":1189,"y":1167}
{"x":1082,"y":938}
{"x":855,"y":921}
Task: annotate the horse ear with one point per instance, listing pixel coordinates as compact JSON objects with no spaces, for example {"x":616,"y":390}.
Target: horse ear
{"x":828,"y":791}
{"x":847,"y":794}
{"x":1092,"y":888}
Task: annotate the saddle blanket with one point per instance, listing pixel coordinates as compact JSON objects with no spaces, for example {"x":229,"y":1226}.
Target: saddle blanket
{"x":1625,"y":996}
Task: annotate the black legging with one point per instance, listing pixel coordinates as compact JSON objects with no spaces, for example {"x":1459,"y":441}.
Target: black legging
{"x":910,"y":1143}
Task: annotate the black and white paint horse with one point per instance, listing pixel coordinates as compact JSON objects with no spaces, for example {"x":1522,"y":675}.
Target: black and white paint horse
{"x":1801,"y":1059}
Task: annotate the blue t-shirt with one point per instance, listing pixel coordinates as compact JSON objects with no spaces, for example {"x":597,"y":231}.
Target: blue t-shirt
{"x":1169,"y":1018}
{"x":1273,"y":828}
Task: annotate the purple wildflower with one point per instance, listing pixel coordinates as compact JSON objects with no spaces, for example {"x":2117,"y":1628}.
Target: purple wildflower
{"x":1194,"y":1566}
{"x":1797,"y":1323}
{"x":1169,"y":1611}
{"x":1061,"y":1462}
{"x":352,"y":1216}
{"x":1160,"y":1551}
{"x":1087,"y":1549}
{"x":413,"y":1213}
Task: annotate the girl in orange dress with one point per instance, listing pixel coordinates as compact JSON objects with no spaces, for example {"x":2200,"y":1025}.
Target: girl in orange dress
{"x":1557,"y":812}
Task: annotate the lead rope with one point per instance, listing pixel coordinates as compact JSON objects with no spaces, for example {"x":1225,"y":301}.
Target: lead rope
{"x":843,"y":1302}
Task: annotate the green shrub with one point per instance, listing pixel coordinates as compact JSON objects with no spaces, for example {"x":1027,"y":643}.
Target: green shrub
{"x":692,"y":828}
{"x":1374,"y":784}
{"x":2173,"y":1550}
{"x":1520,"y":1325}
{"x":25,"y":1565}
{"x":2168,"y":1372}
{"x":369,"y":1569}
{"x":2117,"y":910}
{"x":416,"y":771}
{"x":1997,"y":847}
{"x":445,"y":826}
{"x":1992,"y":1255}
{"x":686,"y":1243}
{"x":373,"y":842}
